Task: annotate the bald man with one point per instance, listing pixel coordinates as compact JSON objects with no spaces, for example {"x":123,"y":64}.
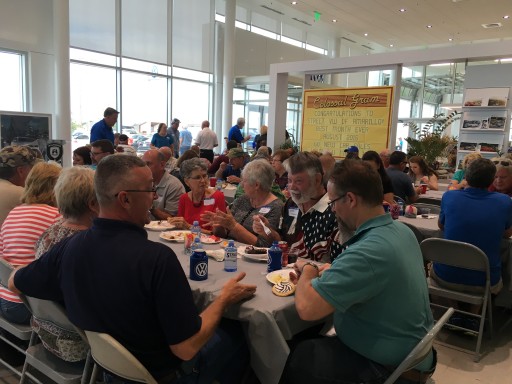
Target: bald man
{"x":170,"y":160}
{"x":384,"y":156}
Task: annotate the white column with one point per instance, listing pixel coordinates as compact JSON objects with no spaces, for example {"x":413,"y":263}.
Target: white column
{"x":229,"y":67}
{"x":277,"y":106}
{"x":395,"y":79}
{"x":217,"y":123}
{"x":62,"y":122}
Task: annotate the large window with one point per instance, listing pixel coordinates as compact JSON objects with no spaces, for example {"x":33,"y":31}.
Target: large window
{"x":12,"y":75}
{"x":190,"y":101}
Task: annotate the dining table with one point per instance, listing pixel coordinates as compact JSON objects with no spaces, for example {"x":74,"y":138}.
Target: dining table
{"x":268,"y":320}
{"x":429,"y":228}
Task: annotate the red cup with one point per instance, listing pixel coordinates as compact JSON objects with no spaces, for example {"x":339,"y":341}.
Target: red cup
{"x":213,"y":181}
{"x":423,"y":188}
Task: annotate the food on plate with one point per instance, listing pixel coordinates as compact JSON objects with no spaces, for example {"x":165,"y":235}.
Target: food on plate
{"x":283,"y":288}
{"x":159,"y":225}
{"x":174,"y":235}
{"x":224,"y":244}
{"x":251,"y":250}
{"x":278,"y":277}
{"x":210,"y":239}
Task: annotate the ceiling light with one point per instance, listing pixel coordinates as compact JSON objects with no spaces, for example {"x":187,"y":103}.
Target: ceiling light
{"x":366,"y":34}
{"x":334,"y":20}
{"x":391,"y":45}
{"x":506,"y":16}
{"x":294,"y":3}
{"x":402,"y":10}
{"x":440,"y":65}
{"x":429,"y":26}
{"x":450,"y":39}
{"x":503,"y":60}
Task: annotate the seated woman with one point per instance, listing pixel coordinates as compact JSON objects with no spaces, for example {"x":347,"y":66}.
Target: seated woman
{"x":421,"y":173}
{"x":82,"y":156}
{"x":76,"y":200}
{"x":373,"y":158}
{"x":503,"y":179}
{"x":459,"y":180}
{"x":200,"y":199}
{"x":22,"y":228}
{"x":277,"y":162}
{"x":257,"y":178}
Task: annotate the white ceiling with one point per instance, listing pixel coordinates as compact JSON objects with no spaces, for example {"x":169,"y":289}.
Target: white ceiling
{"x":460,"y":20}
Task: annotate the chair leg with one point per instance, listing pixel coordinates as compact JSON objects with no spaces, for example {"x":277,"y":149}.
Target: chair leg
{"x":489,"y":312}
{"x":87,"y":368}
{"x":94,"y":375}
{"x":33,"y":338}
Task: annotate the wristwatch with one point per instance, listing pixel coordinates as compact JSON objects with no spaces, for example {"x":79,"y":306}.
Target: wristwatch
{"x":312,"y":264}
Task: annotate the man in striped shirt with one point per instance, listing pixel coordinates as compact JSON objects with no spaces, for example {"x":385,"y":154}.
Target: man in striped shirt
{"x":15,"y":164}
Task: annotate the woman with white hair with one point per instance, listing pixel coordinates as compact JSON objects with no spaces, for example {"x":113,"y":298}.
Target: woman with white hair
{"x":257,"y":178}
{"x":459,"y":180}
{"x":76,"y":200}
{"x":503,"y":178}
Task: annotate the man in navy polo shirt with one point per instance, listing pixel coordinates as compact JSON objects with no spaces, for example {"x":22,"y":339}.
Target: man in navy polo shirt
{"x":112,"y":279}
{"x":103,"y":128}
{"x":235,"y":133}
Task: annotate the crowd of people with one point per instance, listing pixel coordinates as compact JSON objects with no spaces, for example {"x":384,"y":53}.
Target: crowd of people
{"x":77,"y":236}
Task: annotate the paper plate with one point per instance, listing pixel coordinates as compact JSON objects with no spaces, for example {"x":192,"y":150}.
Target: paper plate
{"x":174,"y":236}
{"x":160,"y":225}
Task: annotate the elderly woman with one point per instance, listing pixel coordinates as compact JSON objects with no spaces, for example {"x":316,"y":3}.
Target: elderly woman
{"x":503,"y":178}
{"x":82,"y":156}
{"x":421,"y":173}
{"x":373,"y":158}
{"x":160,"y":138}
{"x":459,"y":181}
{"x":22,"y":228}
{"x":277,"y":163}
{"x":257,"y":178}
{"x":200,"y":199}
{"x":76,"y":200}
{"x":187,"y":155}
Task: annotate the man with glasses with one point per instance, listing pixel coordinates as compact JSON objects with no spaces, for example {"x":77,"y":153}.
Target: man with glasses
{"x":377,"y":320}
{"x":112,"y":279}
{"x":100,"y":149}
{"x":168,"y":187}
{"x":402,"y":183}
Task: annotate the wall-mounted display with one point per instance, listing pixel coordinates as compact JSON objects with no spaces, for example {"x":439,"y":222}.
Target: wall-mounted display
{"x":486,"y":97}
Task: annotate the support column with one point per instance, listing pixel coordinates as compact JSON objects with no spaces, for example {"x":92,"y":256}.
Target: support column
{"x":218,"y":87}
{"x":61,"y":127}
{"x":395,"y":79}
{"x":229,"y":67}
{"x":277,"y":107}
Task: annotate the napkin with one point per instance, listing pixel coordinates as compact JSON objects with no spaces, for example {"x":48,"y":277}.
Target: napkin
{"x":217,"y":254}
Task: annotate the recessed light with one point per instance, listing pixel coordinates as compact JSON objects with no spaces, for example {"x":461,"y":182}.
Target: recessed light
{"x":366,"y":34}
{"x":506,"y":16}
{"x":450,"y":39}
{"x":334,"y":20}
{"x":429,"y":26}
{"x":294,"y":3}
{"x":391,"y":45}
{"x":402,"y":10}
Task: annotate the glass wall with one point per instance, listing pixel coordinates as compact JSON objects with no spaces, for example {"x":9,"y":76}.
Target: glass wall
{"x":12,"y":76}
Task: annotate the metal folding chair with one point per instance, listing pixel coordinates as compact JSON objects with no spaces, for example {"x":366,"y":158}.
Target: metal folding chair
{"x":421,"y":350}
{"x":462,"y":255}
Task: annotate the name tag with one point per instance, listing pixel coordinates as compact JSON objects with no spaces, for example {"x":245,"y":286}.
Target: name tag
{"x":293,"y":212}
{"x":209,"y":201}
{"x":264,"y":210}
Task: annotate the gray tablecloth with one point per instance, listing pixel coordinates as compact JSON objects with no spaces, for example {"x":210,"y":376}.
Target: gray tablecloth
{"x":270,"y":320}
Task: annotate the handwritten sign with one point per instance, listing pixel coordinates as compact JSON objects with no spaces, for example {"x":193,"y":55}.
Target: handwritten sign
{"x":335,"y":119}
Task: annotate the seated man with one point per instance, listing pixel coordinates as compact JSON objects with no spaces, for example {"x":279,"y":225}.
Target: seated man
{"x":479,"y":217}
{"x":100,"y":149}
{"x":402,"y":183}
{"x":307,"y":223}
{"x":222,"y":158}
{"x":168,"y":188}
{"x":377,"y":321}
{"x":231,"y":172}
{"x":170,"y":160}
{"x":100,"y":273}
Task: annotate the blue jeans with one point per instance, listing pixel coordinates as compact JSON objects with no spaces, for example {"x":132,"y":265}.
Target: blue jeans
{"x":224,"y":358}
{"x":328,"y":361}
{"x":15,"y":312}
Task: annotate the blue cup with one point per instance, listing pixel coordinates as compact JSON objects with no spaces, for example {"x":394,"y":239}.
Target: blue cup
{"x":198,"y":265}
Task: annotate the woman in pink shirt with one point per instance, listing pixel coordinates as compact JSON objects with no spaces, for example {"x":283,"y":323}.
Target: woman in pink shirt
{"x":22,"y":228}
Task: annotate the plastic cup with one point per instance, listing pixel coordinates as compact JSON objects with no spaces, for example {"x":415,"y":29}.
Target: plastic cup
{"x":423,"y":188}
{"x":213,"y":182}
{"x":426,"y":213}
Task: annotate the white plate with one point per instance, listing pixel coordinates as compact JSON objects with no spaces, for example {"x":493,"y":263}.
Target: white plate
{"x":261,"y":257}
{"x":162,"y":225}
{"x":279,"y":275}
{"x":210,"y":239}
{"x":229,"y":186}
{"x":174,"y":236}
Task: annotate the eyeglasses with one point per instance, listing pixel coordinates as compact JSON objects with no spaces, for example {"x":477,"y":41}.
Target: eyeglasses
{"x":199,"y":177}
{"x":502,"y":162}
{"x":96,"y":153}
{"x":331,"y":203}
{"x":152,"y":190}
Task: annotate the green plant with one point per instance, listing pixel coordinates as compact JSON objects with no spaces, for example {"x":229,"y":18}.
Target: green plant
{"x":430,"y":142}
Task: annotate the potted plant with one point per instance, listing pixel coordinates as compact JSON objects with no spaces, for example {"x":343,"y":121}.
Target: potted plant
{"x":430,"y":143}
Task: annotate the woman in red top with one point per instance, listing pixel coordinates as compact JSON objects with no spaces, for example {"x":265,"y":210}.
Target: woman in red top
{"x":201,"y":197}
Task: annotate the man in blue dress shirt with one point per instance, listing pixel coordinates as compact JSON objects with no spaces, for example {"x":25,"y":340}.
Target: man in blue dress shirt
{"x":103,"y":128}
{"x":235,"y":132}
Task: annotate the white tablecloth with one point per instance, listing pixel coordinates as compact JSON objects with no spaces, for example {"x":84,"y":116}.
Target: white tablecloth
{"x":270,"y":320}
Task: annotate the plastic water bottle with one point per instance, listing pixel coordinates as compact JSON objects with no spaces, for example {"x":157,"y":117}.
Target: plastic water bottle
{"x":275,"y":255}
{"x":218,"y":186}
{"x":196,"y":244}
{"x":196,"y":230}
{"x":230,"y":257}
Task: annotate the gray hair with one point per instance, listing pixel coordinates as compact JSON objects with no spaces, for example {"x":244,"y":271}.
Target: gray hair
{"x":188,"y":166}
{"x":112,"y":174}
{"x":304,"y":162}
{"x":74,"y":191}
{"x":259,"y":171}
{"x":502,"y":163}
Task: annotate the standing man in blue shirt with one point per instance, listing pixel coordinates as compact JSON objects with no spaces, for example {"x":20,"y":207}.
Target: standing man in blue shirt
{"x":235,"y":132}
{"x":174,"y":134}
{"x":185,"y":140}
{"x":103,"y":128}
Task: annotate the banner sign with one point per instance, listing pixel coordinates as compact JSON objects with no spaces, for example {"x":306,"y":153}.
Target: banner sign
{"x":335,"y":119}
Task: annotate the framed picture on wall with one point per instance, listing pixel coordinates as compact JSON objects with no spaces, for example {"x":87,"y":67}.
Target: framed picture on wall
{"x":497,"y":122}
{"x":486,"y":97}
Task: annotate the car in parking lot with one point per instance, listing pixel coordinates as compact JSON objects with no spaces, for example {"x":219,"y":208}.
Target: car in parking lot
{"x":143,"y":147}
{"x":79,"y":141}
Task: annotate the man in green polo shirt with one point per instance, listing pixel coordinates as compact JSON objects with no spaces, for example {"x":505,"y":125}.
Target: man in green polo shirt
{"x":375,"y":288}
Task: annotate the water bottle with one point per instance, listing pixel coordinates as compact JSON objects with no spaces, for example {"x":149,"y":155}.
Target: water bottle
{"x":195,"y":229}
{"x":230,"y":257}
{"x":275,"y":255}
{"x":196,"y":244}
{"x":218,"y":186}
{"x":198,"y":265}
{"x":402,"y":207}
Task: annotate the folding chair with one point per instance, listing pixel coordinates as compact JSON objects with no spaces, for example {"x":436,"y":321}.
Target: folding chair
{"x":461,"y":255}
{"x":21,"y":332}
{"x":428,"y":200}
{"x":421,"y":350}
{"x":112,"y":356}
{"x":419,"y":237}
{"x":38,"y":357}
